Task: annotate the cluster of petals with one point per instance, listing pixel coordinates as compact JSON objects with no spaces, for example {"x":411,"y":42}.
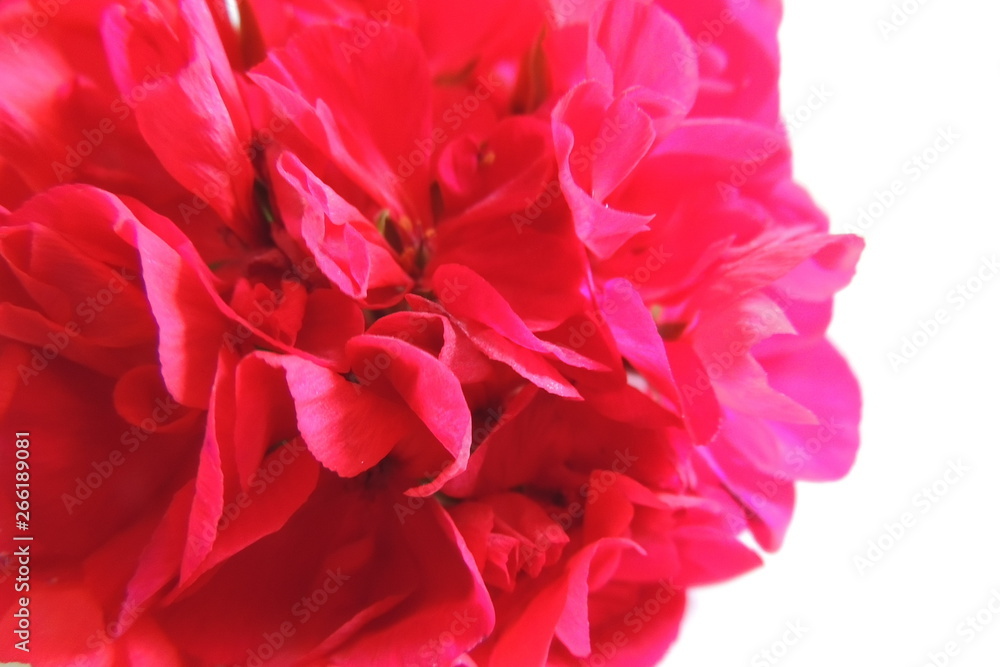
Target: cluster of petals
{"x":403,"y":332}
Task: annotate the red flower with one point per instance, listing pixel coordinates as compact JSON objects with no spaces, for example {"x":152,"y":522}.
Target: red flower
{"x":416,"y":333}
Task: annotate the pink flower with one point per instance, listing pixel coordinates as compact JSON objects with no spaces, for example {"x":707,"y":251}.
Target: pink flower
{"x":419,"y":333}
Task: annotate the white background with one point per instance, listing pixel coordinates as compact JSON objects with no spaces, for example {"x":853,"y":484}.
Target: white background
{"x":892,"y":91}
